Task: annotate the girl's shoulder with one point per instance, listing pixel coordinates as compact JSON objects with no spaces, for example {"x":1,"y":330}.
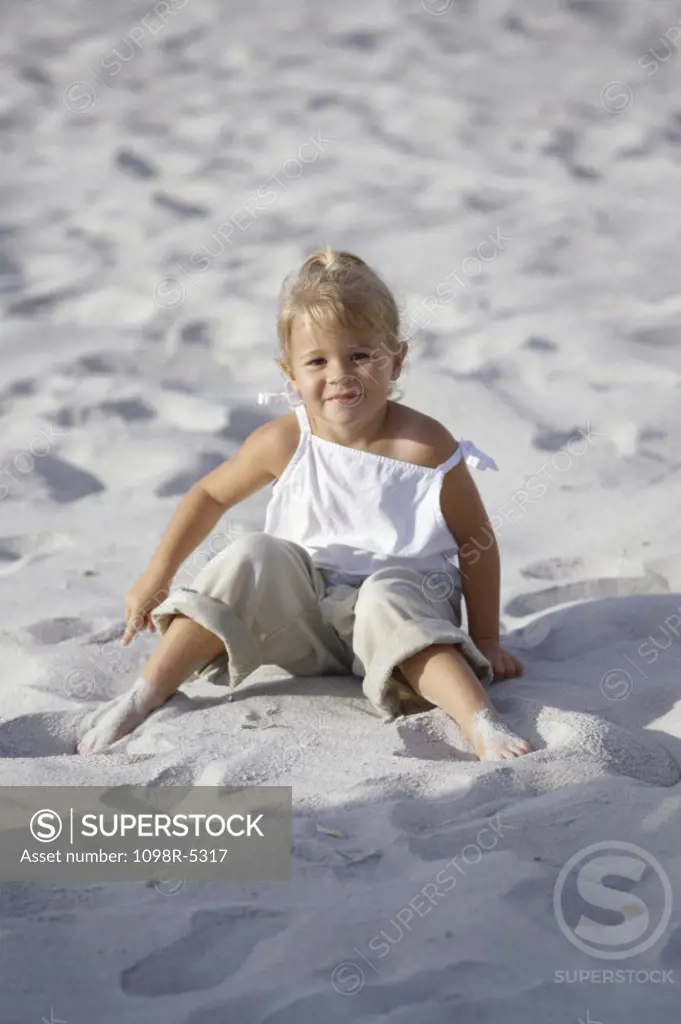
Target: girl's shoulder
{"x":420,"y":438}
{"x":415,"y":423}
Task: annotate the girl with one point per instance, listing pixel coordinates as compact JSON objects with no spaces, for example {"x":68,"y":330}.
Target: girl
{"x":354,"y":571}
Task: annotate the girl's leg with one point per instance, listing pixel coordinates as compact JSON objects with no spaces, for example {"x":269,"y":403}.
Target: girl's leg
{"x":184,"y":647}
{"x":441,"y":674}
{"x":260,"y":597}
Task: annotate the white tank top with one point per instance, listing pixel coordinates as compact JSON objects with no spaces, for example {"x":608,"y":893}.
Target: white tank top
{"x":356,"y":512}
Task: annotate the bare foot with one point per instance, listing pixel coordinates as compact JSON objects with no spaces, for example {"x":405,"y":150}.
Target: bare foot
{"x":124,"y":715}
{"x":493,"y":740}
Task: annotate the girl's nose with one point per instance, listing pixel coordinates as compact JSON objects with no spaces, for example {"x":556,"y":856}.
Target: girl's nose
{"x":338,"y":370}
{"x":344,"y":381}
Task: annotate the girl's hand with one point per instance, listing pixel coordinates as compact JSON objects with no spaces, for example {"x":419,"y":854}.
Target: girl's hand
{"x":504,"y":665}
{"x":151,"y":588}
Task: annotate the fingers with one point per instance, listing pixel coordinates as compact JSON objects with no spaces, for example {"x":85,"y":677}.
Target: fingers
{"x":129,"y":631}
{"x":513,"y":667}
{"x":507,"y":667}
{"x":134,"y":624}
{"x":518,"y":667}
{"x":132,"y":629}
{"x":500,"y":668}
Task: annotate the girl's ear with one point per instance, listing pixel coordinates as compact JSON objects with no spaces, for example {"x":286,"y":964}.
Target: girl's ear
{"x":290,"y":382}
{"x":399,"y":360}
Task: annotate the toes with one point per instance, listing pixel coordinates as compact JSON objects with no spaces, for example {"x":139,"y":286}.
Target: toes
{"x":505,"y":749}
{"x":88,"y":744}
{"x":522,"y":747}
{"x":515,"y":748}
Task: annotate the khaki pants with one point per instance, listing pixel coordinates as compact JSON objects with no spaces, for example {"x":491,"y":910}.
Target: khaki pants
{"x":270,"y":605}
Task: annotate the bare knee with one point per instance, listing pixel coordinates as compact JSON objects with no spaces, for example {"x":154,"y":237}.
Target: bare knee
{"x":416,"y":661}
{"x":189,"y":631}
{"x":166,"y":621}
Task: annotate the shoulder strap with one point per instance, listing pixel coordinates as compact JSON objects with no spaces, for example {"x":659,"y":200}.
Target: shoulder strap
{"x":302,"y":418}
{"x":452,"y":461}
{"x":474,"y":457}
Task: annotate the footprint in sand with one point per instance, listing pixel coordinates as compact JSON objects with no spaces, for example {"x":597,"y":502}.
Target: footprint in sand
{"x":56,"y":631}
{"x":129,"y":410}
{"x":379,"y":996}
{"x":63,"y":481}
{"x":217,"y":945}
{"x":585,"y":581}
{"x":255,"y":720}
{"x":20,"y":550}
{"x":89,"y":366}
{"x":18,"y":388}
{"x":45,"y":734}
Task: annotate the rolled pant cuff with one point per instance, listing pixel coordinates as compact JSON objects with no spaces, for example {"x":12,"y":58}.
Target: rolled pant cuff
{"x":242,"y":653}
{"x":409,"y":639}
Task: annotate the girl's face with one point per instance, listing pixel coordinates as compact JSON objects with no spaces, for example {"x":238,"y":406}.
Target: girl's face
{"x":339,"y":376}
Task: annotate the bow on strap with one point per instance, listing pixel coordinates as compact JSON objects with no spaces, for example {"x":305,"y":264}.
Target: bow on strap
{"x":475,"y":457}
{"x":267,"y":397}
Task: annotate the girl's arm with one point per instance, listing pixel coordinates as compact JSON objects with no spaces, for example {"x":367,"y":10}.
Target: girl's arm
{"x":246,"y":472}
{"x":479,"y":563}
{"x":481,"y":585}
{"x":202,"y":506}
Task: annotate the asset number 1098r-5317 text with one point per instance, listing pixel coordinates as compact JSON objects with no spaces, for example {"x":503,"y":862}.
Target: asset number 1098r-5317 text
{"x":178,"y":856}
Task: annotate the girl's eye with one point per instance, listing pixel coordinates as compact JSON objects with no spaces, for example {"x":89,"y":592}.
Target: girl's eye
{"x":357,"y":355}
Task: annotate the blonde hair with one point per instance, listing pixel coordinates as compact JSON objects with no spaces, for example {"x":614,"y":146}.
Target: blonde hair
{"x":336,"y":289}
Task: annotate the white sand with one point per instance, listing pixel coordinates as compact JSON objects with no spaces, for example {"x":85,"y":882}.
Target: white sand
{"x":436,"y":131}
